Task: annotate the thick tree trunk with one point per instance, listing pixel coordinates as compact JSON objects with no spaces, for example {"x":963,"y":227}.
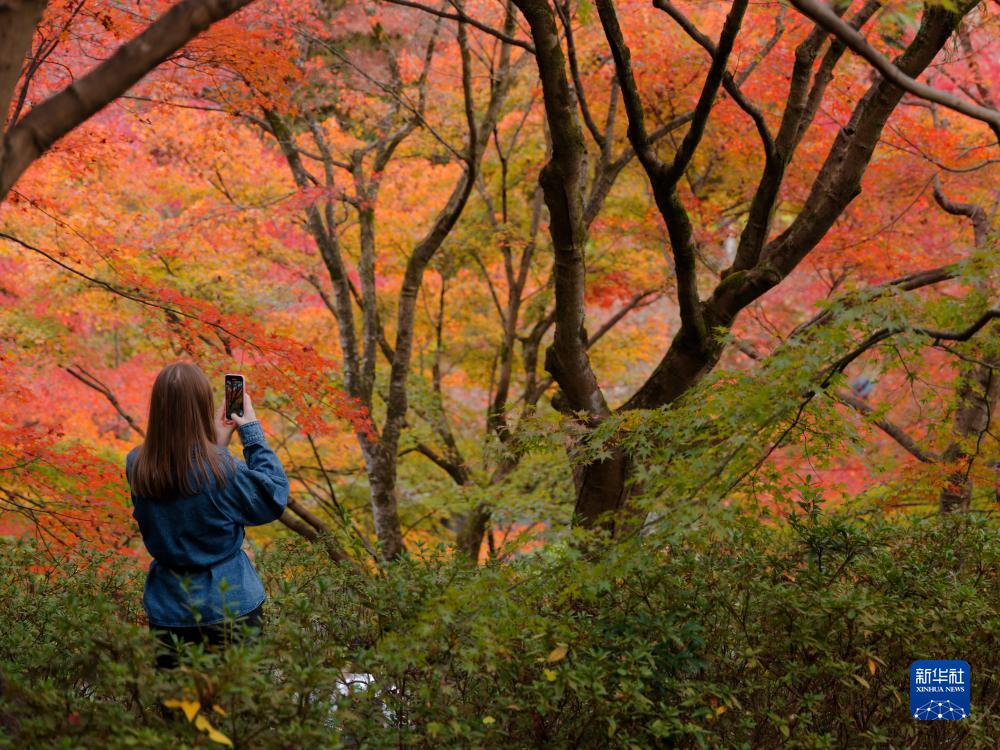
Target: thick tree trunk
{"x":18,"y":20}
{"x":759,"y":265}
{"x":979,"y":384}
{"x":837,"y":184}
{"x":381,"y":470}
{"x":601,"y":491}
{"x":978,"y":394}
{"x":469,"y":535}
{"x":602,"y":488}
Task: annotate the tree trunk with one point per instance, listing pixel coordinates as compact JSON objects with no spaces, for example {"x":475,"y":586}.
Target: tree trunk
{"x":602,"y":490}
{"x":759,"y":265}
{"x":381,"y":470}
{"x":17,"y":26}
{"x":978,"y":385}
{"x":469,"y":535}
{"x":978,"y":392}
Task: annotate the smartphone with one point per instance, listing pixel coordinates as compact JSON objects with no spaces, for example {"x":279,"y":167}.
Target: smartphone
{"x":234,"y":396}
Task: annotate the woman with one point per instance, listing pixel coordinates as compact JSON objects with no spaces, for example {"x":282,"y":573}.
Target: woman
{"x":192,"y":501}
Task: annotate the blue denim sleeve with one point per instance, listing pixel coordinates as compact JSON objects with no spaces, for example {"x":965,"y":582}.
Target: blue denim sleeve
{"x":258,"y":492}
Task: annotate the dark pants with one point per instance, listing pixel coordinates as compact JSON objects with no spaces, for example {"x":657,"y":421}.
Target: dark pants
{"x":213,"y":636}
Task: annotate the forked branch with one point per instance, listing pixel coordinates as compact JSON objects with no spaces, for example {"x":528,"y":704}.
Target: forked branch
{"x":823,"y":15}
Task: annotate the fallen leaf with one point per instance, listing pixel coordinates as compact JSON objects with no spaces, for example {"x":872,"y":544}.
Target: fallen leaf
{"x":190,"y":708}
{"x":213,"y":734}
{"x":559,"y":652}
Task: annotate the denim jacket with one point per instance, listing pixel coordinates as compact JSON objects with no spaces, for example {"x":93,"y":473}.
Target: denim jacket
{"x":200,"y":574}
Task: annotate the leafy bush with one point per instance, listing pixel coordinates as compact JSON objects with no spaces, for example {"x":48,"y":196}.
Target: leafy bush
{"x":729,"y":632}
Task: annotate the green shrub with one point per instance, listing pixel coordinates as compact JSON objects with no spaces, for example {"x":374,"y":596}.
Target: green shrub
{"x":738,"y":633}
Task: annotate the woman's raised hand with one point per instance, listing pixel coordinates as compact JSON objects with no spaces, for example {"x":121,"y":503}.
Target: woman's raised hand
{"x":248,"y":412}
{"x":223,"y":427}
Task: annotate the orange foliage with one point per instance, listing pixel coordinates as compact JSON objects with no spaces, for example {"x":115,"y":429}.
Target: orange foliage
{"x":171,"y":229}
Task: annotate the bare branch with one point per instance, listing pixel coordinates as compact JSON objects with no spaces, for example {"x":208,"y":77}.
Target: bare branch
{"x":134,"y":294}
{"x":889,"y":428}
{"x":639,"y":300}
{"x":906,"y":283}
{"x":464,"y":17}
{"x":664,"y":179}
{"x":563,"y":11}
{"x":91,"y":381}
{"x":456,"y":471}
{"x":824,"y":16}
{"x":977,"y":215}
{"x":730,"y":85}
{"x":884,"y":333}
